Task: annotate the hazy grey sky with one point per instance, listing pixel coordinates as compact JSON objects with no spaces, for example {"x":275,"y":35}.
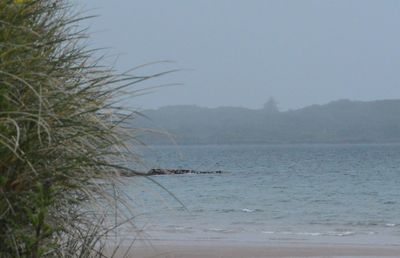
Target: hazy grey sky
{"x":242,"y":52}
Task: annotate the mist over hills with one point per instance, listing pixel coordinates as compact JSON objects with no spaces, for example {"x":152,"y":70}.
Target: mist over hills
{"x":341,"y":121}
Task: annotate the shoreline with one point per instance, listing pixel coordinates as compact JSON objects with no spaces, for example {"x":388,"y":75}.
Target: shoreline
{"x":222,"y":249}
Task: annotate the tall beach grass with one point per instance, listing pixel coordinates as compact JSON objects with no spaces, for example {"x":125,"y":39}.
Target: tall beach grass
{"x":63,"y":134}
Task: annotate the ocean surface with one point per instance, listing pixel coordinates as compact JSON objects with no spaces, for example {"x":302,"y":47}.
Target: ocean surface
{"x":271,"y":193}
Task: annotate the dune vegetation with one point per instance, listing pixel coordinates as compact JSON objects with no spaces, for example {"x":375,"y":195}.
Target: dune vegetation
{"x":62,"y":133}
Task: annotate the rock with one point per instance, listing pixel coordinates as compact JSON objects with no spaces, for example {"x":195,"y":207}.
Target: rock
{"x":160,"y":171}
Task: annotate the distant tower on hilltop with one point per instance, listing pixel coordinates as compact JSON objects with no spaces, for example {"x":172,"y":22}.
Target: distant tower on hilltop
{"x":271,"y":106}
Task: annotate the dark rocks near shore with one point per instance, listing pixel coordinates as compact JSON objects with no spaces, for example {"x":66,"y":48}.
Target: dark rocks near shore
{"x":160,"y":171}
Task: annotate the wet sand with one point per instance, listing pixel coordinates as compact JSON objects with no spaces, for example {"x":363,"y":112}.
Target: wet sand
{"x":241,"y":250}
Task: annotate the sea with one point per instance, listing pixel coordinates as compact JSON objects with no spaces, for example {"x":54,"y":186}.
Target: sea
{"x":311,"y":193}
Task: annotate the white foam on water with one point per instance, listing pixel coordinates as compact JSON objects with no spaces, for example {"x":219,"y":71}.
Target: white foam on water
{"x":309,"y":234}
{"x":294,"y":233}
{"x":344,"y":233}
{"x":268,"y":232}
{"x":330,"y":233}
{"x":220,"y":230}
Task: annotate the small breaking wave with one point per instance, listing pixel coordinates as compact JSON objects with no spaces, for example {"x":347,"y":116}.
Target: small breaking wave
{"x":248,"y":210}
{"x":343,"y":233}
{"x":330,"y":233}
{"x":294,"y":233}
{"x":251,"y":210}
{"x":221,"y":230}
{"x":239,"y":210}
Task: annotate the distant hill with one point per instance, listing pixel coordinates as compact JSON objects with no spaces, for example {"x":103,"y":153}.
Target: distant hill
{"x":341,"y":121}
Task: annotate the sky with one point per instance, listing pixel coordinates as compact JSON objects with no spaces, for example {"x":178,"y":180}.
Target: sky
{"x":242,"y":52}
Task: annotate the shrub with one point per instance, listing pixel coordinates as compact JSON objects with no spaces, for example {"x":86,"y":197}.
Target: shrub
{"x":62,"y":134}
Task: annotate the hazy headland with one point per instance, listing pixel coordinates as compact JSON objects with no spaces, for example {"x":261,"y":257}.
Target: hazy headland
{"x":341,"y":121}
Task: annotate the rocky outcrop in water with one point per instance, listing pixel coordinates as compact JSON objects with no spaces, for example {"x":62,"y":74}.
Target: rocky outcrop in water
{"x":161,"y":171}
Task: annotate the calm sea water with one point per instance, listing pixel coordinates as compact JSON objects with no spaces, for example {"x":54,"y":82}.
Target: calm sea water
{"x":306,"y":193}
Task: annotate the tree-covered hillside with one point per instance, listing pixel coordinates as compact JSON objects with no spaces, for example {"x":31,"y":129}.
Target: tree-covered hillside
{"x":341,"y":121}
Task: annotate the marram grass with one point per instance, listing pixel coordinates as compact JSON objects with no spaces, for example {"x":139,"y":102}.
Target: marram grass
{"x":62,"y":136}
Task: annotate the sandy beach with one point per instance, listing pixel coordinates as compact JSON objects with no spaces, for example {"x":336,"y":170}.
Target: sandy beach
{"x":244,"y":250}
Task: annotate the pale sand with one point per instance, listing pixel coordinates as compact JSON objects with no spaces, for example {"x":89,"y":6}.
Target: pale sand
{"x":215,"y":250}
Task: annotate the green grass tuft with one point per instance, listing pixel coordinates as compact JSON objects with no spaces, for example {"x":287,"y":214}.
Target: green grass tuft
{"x":62,"y":136}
